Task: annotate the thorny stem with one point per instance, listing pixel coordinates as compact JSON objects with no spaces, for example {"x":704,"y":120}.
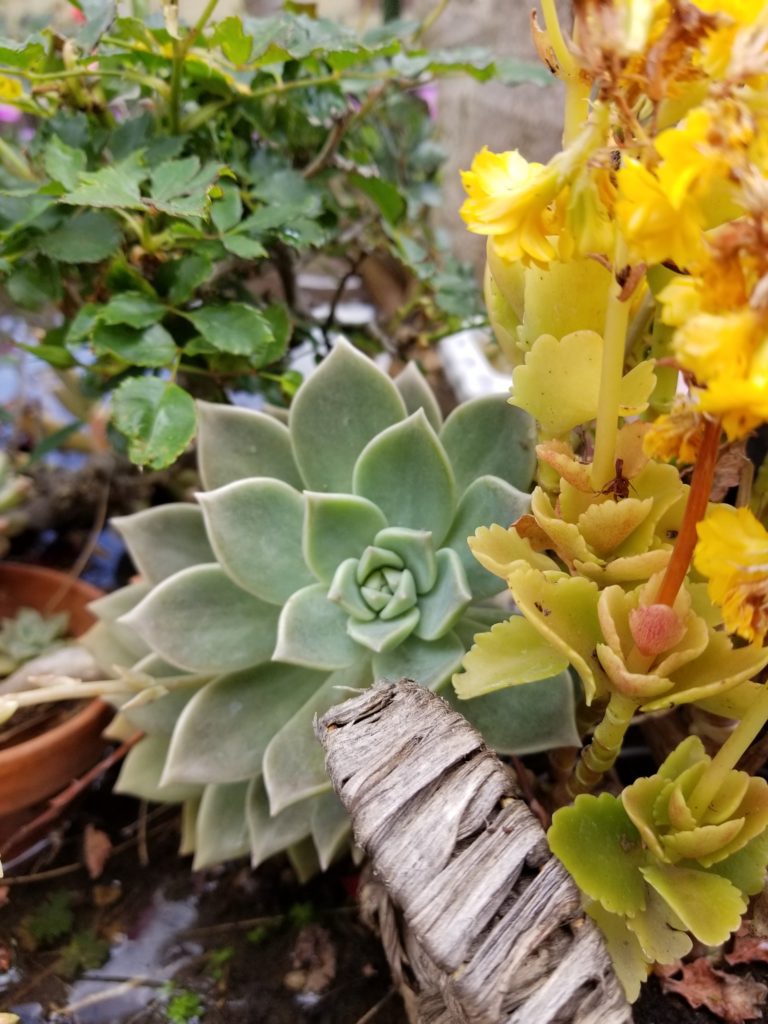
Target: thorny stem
{"x":616,"y":321}
{"x":695,"y":509}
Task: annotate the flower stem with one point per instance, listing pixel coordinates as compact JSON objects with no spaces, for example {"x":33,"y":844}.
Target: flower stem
{"x":616,"y":321}
{"x":601,"y":753}
{"x":564,"y":57}
{"x":698,"y":498}
{"x":729,"y":755}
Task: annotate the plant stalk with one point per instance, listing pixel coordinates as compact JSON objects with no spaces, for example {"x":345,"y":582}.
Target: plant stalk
{"x":599,"y":756}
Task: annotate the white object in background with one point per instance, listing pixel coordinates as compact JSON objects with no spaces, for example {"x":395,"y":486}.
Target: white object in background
{"x":467,"y":367}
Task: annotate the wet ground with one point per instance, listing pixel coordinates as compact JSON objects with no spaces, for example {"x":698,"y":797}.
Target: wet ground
{"x":149,"y":942}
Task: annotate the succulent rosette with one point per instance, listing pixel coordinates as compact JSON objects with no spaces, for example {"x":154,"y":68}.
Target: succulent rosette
{"x":323,"y":553}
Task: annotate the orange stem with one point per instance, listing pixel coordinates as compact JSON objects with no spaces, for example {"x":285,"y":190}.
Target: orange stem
{"x":695,"y":510}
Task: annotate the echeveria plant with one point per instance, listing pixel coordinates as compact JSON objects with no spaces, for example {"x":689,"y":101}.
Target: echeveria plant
{"x":323,"y":554}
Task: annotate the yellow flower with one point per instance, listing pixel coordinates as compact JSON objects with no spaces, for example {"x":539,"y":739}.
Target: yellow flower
{"x":712,"y":346}
{"x":742,"y":403}
{"x":733,"y":554}
{"x":655,"y":229}
{"x":677,"y":435}
{"x":510,"y":199}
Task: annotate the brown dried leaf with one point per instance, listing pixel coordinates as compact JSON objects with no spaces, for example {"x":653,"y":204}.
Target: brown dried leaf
{"x":731,"y":997}
{"x":748,"y":947}
{"x":729,"y":469}
{"x":97,"y":848}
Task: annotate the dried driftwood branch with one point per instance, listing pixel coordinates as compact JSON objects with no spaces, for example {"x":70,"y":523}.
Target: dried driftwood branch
{"x":482,"y":925}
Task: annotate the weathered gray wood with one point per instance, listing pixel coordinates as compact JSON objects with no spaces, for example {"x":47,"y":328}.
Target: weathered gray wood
{"x":481,"y":924}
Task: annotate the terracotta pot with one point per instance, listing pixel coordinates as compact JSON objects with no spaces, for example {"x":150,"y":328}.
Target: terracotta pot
{"x":35,"y":769}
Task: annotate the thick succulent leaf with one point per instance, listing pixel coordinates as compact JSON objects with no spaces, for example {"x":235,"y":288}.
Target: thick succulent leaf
{"x":709,"y":906}
{"x":417,"y":394}
{"x":294,"y":762}
{"x":331,"y":828}
{"x":337,"y":527}
{"x":255,"y":529}
{"x":111,"y":607}
{"x":406,"y":472}
{"x":443,"y":606}
{"x":526,"y":719}
{"x":746,"y":868}
{"x":161,"y":715}
{"x":247,"y":708}
{"x":513,"y":652}
{"x":380,"y":635}
{"x":222,"y":828}
{"x":234,"y":444}
{"x":302,"y":857}
{"x":427,"y":662}
{"x":631,"y":966}
{"x":269,"y":833}
{"x":403,"y":597}
{"x":415,"y":549}
{"x":165,"y":539}
{"x":345,"y":403}
{"x":564,"y":610}
{"x":201,"y":621}
{"x":111,"y":645}
{"x":488,"y":500}
{"x":487,"y":437}
{"x":312,"y":631}
{"x":142,"y":770}
{"x":346,"y":592}
{"x":602,"y":851}
{"x":189,"y":810}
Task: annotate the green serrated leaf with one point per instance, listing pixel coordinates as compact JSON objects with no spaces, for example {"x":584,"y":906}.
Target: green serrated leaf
{"x":238,"y":329}
{"x":157,"y":417}
{"x":386,"y":197}
{"x":91,"y":237}
{"x":115,"y":186}
{"x":151,"y":347}
{"x":133,"y":309}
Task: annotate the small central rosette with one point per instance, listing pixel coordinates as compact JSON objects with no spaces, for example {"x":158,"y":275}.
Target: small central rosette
{"x":398,"y":586}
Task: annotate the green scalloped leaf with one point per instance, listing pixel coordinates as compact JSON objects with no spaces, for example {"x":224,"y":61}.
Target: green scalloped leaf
{"x":294,"y":762}
{"x":446,"y":602}
{"x":429,"y":663}
{"x":235,"y":444}
{"x":271,"y":834}
{"x":658,"y":931}
{"x":142,"y":770}
{"x":165,"y":539}
{"x":487,"y":500}
{"x":417,"y":394}
{"x":312,"y":631}
{"x":201,"y":621}
{"x":255,"y":528}
{"x":337,"y":527}
{"x":602,"y":850}
{"x":631,"y":966}
{"x":486,"y":437}
{"x":709,"y":906}
{"x":526,"y":719}
{"x":406,"y":472}
{"x":512,"y":653}
{"x":345,"y":403}
{"x":248,"y":708}
{"x":221,"y":831}
{"x":746,"y":868}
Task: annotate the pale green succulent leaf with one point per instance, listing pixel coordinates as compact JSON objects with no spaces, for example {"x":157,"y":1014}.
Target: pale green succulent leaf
{"x":142,"y":771}
{"x":746,"y":868}
{"x":602,"y":851}
{"x":374,"y":598}
{"x":427,"y":663}
{"x":235,"y":444}
{"x":346,"y":402}
{"x":161,"y":715}
{"x":525,"y":719}
{"x":373,"y":558}
{"x":270,"y":834}
{"x":221,"y":831}
{"x":448,"y":599}
{"x":345,"y":591}
{"x":111,"y":607}
{"x":248,"y":708}
{"x":165,"y":539}
{"x":406,"y":472}
{"x":403,"y":597}
{"x":487,"y":437}
{"x":302,"y":857}
{"x":487,"y":500}
{"x":510,"y":654}
{"x":111,"y":645}
{"x":415,"y":549}
{"x":294,"y":762}
{"x":417,"y":394}
{"x":255,"y":528}
{"x":709,"y":905}
{"x":337,"y":527}
{"x":201,"y":621}
{"x":312,"y":631}
{"x":381,"y":635}
{"x":331,"y":829}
